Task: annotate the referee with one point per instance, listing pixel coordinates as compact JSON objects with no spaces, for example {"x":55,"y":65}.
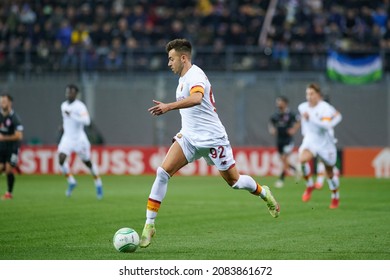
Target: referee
{"x":11,"y":134}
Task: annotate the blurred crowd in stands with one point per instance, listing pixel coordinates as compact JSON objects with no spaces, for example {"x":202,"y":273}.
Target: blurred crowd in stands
{"x":111,"y":35}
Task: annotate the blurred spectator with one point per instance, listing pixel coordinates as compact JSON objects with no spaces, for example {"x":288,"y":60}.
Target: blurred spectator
{"x":27,"y":16}
{"x":380,"y":17}
{"x":386,"y":37}
{"x":113,"y":61}
{"x":64,"y":34}
{"x":79,"y":31}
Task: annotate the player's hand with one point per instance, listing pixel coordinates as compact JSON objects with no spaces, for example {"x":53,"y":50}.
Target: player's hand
{"x":305,"y":115}
{"x":2,"y":137}
{"x":291,"y":131}
{"x":159,"y":109}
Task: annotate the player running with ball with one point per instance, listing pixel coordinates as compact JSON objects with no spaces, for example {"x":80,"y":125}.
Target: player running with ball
{"x":202,"y":135}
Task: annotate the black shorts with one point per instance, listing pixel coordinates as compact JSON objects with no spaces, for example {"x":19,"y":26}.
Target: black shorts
{"x":9,"y":156}
{"x":285,"y":148}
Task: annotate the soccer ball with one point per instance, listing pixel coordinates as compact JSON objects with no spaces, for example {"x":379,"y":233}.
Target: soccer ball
{"x":126,"y":240}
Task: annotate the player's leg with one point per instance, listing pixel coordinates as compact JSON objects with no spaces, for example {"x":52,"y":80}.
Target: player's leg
{"x":329,"y":156}
{"x":174,"y":160}
{"x":305,"y":156}
{"x":280,"y":182}
{"x":65,"y":169}
{"x":83,"y":150}
{"x":222,"y":157}
{"x":65,"y":148}
{"x":2,"y":169}
{"x":333,"y":183}
{"x":11,"y":162}
{"x":245,"y":182}
{"x":320,"y":175}
{"x":96,"y":177}
{"x":10,"y":180}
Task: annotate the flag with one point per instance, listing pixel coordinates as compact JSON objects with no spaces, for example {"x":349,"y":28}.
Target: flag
{"x":354,"y":70}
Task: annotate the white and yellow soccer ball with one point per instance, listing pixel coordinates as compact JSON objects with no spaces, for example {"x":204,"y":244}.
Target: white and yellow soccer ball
{"x":126,"y":240}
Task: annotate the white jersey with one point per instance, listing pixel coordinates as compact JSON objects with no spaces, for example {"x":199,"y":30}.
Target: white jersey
{"x":311,"y":128}
{"x":75,"y":116}
{"x":200,"y":124}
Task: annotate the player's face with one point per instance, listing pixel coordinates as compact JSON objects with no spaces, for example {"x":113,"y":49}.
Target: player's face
{"x":70,"y":94}
{"x":175,"y":62}
{"x":5,"y":104}
{"x":312,"y":96}
{"x":280,"y":104}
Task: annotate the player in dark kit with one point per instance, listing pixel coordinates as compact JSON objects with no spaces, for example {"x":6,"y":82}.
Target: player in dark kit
{"x":283,"y":125}
{"x":11,"y":134}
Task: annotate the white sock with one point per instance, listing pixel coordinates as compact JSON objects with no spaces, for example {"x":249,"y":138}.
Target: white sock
{"x":306,"y":170}
{"x":65,"y":168}
{"x":158,"y":192}
{"x":334,"y":187}
{"x":333,"y":183}
{"x":98,"y":182}
{"x":245,"y":182}
{"x":94,"y":170}
{"x":66,"y":171}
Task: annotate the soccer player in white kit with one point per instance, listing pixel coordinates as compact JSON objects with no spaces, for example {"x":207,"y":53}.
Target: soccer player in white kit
{"x":318,"y":118}
{"x":202,"y":135}
{"x":321,"y":174}
{"x":74,"y":139}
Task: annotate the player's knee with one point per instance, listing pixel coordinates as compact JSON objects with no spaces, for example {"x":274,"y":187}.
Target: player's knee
{"x":9,"y":170}
{"x":232,"y":183}
{"x":88,"y":163}
{"x":61,"y":159}
{"x":235,"y":183}
{"x":162,"y":174}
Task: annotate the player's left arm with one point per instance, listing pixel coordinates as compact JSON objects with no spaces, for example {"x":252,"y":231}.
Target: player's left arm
{"x":329,"y":120}
{"x":296,"y":125}
{"x":81,"y":116}
{"x":194,"y":99}
{"x":17,"y":136}
{"x":292,"y":130}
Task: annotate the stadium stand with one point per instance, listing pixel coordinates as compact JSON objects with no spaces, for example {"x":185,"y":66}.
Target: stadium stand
{"x":42,"y":35}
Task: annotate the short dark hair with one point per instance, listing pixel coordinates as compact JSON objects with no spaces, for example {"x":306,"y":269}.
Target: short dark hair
{"x":73,"y":87}
{"x":179,"y":45}
{"x":283,"y":98}
{"x":315,"y":87}
{"x":9,"y":97}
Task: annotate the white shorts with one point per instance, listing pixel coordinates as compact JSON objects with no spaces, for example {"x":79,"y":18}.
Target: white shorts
{"x":81,"y":146}
{"x":327,"y":153}
{"x":219,"y":155}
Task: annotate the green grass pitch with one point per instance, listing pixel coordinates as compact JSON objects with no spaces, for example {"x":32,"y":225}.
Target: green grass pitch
{"x":201,"y":218}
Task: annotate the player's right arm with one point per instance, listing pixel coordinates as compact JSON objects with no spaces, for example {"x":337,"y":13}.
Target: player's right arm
{"x":18,"y":133}
{"x":190,"y":101}
{"x":271,"y":126}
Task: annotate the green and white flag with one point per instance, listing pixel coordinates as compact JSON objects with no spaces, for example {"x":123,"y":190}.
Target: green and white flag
{"x":354,"y":70}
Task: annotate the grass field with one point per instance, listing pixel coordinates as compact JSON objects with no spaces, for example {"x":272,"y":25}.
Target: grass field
{"x":201,"y":218}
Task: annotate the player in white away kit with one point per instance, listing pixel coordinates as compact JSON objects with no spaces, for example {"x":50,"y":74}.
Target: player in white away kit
{"x":321,"y":174}
{"x":318,"y":118}
{"x":74,"y":139}
{"x":202,"y":135}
